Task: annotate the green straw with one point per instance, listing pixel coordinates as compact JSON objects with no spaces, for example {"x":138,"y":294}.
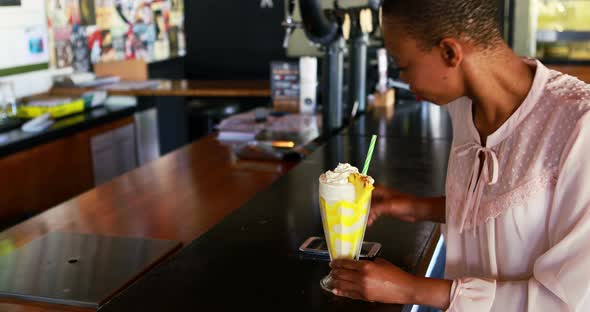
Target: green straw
{"x":370,"y":154}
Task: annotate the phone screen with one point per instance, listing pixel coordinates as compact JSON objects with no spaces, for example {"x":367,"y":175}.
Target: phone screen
{"x":319,"y":244}
{"x":365,"y":249}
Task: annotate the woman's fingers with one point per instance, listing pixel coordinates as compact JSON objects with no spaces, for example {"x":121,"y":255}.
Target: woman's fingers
{"x":346,"y":264}
{"x":346,"y":289}
{"x":348,"y":294}
{"x":376,"y":211}
{"x":380,"y":192}
{"x":344,"y":275}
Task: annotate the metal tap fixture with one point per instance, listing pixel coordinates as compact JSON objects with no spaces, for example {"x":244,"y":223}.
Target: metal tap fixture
{"x":289,"y":23}
{"x":322,"y":22}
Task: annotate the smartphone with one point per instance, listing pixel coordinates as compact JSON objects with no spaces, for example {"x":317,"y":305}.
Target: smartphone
{"x":316,"y":248}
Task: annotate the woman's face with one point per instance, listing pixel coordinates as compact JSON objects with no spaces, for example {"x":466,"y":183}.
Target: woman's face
{"x":428,"y":73}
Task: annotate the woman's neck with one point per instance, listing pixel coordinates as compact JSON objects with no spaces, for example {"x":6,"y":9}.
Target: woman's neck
{"x":497,"y":86}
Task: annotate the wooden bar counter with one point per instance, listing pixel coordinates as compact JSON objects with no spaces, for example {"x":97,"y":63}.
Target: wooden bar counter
{"x":242,"y":223}
{"x":189,"y":88}
{"x":177,"y":197}
{"x":250,"y":260}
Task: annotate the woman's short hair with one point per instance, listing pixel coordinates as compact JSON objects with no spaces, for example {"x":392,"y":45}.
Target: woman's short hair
{"x":429,"y":21}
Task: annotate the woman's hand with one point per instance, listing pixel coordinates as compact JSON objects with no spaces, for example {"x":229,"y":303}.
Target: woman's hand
{"x":389,"y":202}
{"x":378,"y":281}
{"x":381,"y":281}
{"x":405,"y":207}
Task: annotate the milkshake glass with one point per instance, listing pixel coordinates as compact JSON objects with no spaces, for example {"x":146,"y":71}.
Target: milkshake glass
{"x":345,"y":200}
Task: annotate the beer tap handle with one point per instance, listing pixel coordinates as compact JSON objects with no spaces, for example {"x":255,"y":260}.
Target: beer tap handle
{"x":289,"y":23}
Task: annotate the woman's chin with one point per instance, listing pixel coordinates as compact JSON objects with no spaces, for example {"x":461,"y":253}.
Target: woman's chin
{"x":422,"y":98}
{"x":440,"y":101}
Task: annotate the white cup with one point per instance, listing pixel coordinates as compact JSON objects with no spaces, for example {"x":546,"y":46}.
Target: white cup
{"x":308,"y":69}
{"x":382,"y":68}
{"x":308,"y":82}
{"x":307,"y":98}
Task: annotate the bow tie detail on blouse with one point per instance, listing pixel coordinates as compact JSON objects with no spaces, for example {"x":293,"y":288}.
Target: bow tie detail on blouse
{"x":478,"y":180}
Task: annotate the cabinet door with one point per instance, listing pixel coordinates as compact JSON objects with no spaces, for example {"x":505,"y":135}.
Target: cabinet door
{"x":43,"y":176}
{"x":113,"y":153}
{"x":146,"y":133}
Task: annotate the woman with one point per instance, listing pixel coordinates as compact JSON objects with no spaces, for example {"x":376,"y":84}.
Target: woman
{"x":517,"y":210}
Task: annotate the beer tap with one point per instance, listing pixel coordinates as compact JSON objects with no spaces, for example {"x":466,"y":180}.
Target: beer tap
{"x":289,"y":23}
{"x":323,"y":23}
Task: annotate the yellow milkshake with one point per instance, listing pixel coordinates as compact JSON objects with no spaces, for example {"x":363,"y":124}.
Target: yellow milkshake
{"x":345,"y":200}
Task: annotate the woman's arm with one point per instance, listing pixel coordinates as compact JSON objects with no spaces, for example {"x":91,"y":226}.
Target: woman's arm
{"x":381,"y":281}
{"x":433,"y":292}
{"x":431,"y":209}
{"x":406,"y":207}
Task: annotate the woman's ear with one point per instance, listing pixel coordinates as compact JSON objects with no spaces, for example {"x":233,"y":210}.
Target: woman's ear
{"x":451,"y":51}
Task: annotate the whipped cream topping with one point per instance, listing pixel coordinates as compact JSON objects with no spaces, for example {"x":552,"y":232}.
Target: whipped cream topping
{"x":339,"y":176}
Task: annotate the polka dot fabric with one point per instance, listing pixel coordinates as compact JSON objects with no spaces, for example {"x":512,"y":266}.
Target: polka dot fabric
{"x":517,"y":229}
{"x":529,"y":147}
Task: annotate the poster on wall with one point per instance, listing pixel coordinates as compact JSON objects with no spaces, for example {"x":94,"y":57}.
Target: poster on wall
{"x":143,"y":41}
{"x":62,"y":46}
{"x":120,"y":29}
{"x":175,"y":29}
{"x":63,"y":54}
{"x":107,"y":49}
{"x":26,"y":36}
{"x":87,"y":12}
{"x":94,"y":38}
{"x":173,"y":39}
{"x":161,"y":12}
{"x":104,"y":13}
{"x":177,"y":5}
{"x":35,"y":37}
{"x":119,"y":47}
{"x":80,"y":53}
{"x":61,"y":16}
{"x":63,"y":12}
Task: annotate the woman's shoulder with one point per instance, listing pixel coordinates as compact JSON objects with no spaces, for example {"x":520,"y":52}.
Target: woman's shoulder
{"x":565,"y":99}
{"x":568,"y":91}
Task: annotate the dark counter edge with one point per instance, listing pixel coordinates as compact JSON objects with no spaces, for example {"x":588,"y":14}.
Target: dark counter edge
{"x":90,"y":121}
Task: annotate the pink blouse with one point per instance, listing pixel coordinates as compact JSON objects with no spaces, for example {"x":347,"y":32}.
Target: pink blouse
{"x":518,"y":232}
